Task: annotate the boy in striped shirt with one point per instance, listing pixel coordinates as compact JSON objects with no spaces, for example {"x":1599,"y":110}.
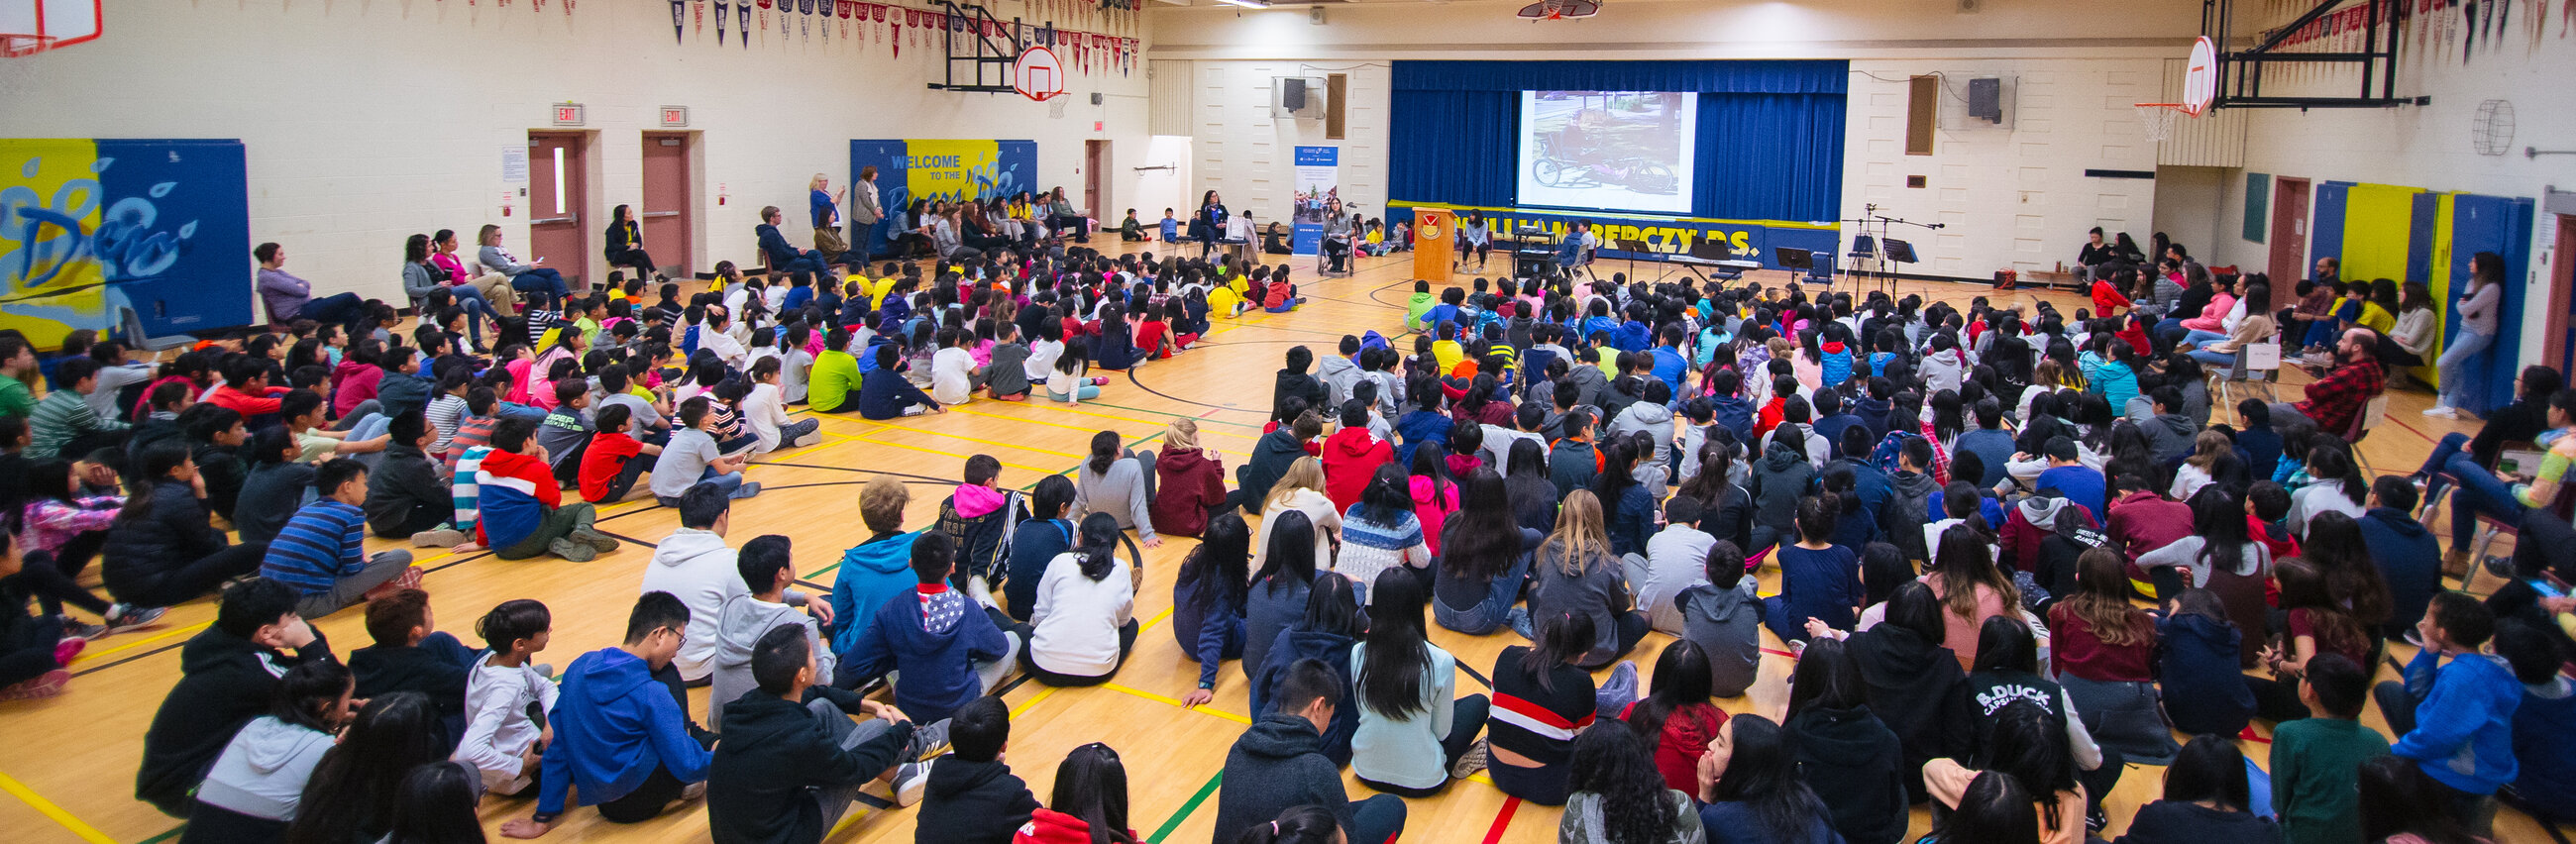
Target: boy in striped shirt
{"x":321,"y":552}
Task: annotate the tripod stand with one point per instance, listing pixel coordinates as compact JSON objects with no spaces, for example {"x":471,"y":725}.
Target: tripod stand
{"x":1871,"y":247}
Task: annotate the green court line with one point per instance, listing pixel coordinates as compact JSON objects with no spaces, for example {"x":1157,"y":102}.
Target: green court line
{"x":1174,"y":822}
{"x":173,"y":833}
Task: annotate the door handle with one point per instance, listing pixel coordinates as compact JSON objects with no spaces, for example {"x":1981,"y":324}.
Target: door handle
{"x":543,"y":220}
{"x":661,"y":213}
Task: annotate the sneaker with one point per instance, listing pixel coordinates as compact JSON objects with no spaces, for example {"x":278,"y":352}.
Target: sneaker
{"x":929,"y":740}
{"x":747,"y":490}
{"x":438,"y":538}
{"x":910,"y":780}
{"x":49,"y":684}
{"x":75,"y":630}
{"x":598,"y":540}
{"x":810,"y":438}
{"x":2440,"y":412}
{"x":2499,"y":565}
{"x":574,"y":550}
{"x":124,"y":617}
{"x":693,"y":791}
{"x":981,"y":591}
{"x":1471,"y":761}
{"x":67,"y":647}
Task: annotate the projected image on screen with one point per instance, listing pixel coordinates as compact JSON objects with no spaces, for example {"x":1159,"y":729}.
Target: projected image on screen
{"x":1612,"y":150}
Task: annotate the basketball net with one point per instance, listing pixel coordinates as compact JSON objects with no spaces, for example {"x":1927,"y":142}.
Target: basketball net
{"x":2156,"y":120}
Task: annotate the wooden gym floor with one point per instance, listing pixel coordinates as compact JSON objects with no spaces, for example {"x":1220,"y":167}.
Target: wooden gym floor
{"x":70,"y":772}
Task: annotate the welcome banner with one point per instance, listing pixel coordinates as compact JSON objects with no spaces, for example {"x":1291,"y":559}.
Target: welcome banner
{"x":943,"y":170}
{"x":1750,"y":240}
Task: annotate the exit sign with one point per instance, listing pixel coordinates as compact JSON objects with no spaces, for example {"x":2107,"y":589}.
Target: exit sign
{"x":567,"y":114}
{"x":674,"y":117}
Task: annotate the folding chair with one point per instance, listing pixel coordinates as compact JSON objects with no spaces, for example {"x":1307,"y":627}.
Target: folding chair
{"x":2489,"y":527}
{"x":2256,"y":363}
{"x":2371,"y":415}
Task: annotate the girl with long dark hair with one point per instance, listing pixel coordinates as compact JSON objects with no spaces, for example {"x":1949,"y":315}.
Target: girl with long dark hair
{"x":2030,"y":748}
{"x":355,"y":787}
{"x":1277,"y":596}
{"x":1089,"y":802}
{"x":1677,"y":719}
{"x":2480,"y":301}
{"x":1832,"y":728}
{"x":1209,"y":594}
{"x":1330,"y":625}
{"x":1486,"y":557}
{"x":1619,"y":799}
{"x":1542,"y":700}
{"x":1533,"y":495}
{"x":256,"y":788}
{"x":2314,"y":623}
{"x":437,"y":806}
{"x":2222,"y":558}
{"x":2206,"y":798}
{"x":1084,"y":623}
{"x":1910,"y":679}
{"x":1409,"y":712}
{"x":1380,"y":533}
{"x":2334,"y":545}
{"x":1995,"y":810}
{"x":1750,"y":787}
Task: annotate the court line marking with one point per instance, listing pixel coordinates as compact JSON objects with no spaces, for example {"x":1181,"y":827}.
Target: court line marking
{"x":1502,"y":820}
{"x":47,"y":808}
{"x":87,"y":655}
{"x":1176,"y":702}
{"x":1032,"y":703}
{"x":1028,"y":421}
{"x":1187,"y":809}
{"x":994,"y":443}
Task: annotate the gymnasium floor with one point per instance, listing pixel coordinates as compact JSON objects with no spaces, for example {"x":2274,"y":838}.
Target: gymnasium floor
{"x":70,"y":771}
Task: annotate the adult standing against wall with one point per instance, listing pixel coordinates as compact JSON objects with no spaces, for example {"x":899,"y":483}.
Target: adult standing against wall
{"x":865,"y":212}
{"x":2460,"y":361}
{"x":1211,"y":220}
{"x":525,"y":278}
{"x":289,"y":298}
{"x":625,"y":240}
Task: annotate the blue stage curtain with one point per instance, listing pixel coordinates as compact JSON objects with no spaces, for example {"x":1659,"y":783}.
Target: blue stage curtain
{"x":1770,"y":132}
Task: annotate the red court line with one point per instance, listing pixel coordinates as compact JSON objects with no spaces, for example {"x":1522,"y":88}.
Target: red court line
{"x":1779,"y":653}
{"x":1210,"y":412}
{"x":1502,"y":820}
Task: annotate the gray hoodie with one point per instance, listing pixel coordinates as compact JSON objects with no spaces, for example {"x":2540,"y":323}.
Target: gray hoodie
{"x":1588,"y":383}
{"x":1654,"y":419}
{"x":697,"y":567}
{"x":262,"y":772}
{"x":1727,"y":623}
{"x":739,"y":627}
{"x":1340,"y":377}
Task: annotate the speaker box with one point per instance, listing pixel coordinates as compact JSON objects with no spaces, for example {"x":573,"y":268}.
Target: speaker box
{"x":1985,"y":99}
{"x":1292,"y":93}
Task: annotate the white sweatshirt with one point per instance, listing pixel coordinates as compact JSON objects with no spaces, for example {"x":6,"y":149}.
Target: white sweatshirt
{"x":497,"y":729}
{"x":1077,"y":619}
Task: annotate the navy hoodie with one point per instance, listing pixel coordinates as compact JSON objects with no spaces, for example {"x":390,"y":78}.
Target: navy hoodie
{"x":936,"y":651}
{"x":2198,"y":660}
{"x":1736,"y":414}
{"x":613,"y":725}
{"x":2409,"y":558}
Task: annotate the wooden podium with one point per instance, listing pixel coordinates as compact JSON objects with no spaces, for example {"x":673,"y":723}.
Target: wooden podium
{"x":1435,"y":236}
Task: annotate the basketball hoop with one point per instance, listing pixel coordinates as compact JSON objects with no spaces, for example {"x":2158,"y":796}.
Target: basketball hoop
{"x":2156,"y":120}
{"x":17,"y":44}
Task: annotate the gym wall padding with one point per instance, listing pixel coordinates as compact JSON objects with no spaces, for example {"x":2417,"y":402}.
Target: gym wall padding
{"x":2403,"y":233}
{"x":2378,"y":227}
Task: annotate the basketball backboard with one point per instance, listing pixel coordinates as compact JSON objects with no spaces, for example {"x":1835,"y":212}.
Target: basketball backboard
{"x":28,"y":27}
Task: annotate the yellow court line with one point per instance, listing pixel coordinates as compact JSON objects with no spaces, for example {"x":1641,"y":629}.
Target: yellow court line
{"x":836,"y":437}
{"x":1023,"y":420}
{"x":1176,"y":702}
{"x":87,"y":655}
{"x":48,"y":809}
{"x":926,"y":450}
{"x":1157,"y":619}
{"x":1023,"y":708}
{"x":1203,"y":426}
{"x":936,"y":433}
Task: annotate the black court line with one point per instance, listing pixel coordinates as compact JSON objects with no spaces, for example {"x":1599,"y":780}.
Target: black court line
{"x":930,"y":478}
{"x":184,"y":642}
{"x":1471,"y":672}
{"x":812,"y":585}
{"x":623,"y":537}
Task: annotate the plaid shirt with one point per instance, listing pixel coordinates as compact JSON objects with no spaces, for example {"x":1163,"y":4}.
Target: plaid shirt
{"x":2336,"y":400}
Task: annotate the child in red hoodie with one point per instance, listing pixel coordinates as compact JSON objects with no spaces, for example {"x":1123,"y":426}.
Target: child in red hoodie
{"x":1352,"y":455}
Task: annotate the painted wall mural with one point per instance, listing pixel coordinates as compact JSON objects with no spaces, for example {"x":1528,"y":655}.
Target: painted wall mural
{"x":120,"y":236}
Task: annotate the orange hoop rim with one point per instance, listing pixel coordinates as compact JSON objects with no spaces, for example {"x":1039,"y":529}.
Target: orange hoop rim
{"x":17,"y":44}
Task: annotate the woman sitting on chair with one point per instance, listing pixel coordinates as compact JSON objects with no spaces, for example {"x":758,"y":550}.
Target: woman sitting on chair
{"x":626,"y":243}
{"x":1473,"y":237}
{"x":1211,"y":220}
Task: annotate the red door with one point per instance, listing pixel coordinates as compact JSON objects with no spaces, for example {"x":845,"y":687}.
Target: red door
{"x":558,"y":205}
{"x":2289,"y":231}
{"x":1095,"y":159}
{"x":668,"y":225}
{"x":2560,"y":347}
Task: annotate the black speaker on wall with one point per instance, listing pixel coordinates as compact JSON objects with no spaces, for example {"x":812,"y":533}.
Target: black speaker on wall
{"x":1292,"y":93}
{"x":1985,"y":99}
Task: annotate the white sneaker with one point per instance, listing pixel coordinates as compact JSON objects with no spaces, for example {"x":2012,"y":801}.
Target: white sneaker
{"x":981,"y":591}
{"x":810,"y":438}
{"x":438,"y":538}
{"x":910,"y":780}
{"x":2440,"y":412}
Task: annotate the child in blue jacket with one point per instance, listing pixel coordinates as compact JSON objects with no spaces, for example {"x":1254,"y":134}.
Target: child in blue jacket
{"x":2453,"y":715}
{"x":951,"y":648}
{"x":622,"y":729}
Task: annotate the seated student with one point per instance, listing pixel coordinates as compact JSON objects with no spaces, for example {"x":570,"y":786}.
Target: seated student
{"x":1088,"y":802}
{"x":1410,"y":716}
{"x":409,"y":655}
{"x":256,"y":785}
{"x":622,"y":737}
{"x":1083,"y":624}
{"x":950,"y":648}
{"x":694,"y":457}
{"x":275,"y":487}
{"x":1674,"y":559}
{"x":521,"y":509}
{"x":2204,"y":691}
{"x":972,"y":797}
{"x":65,"y":422}
{"x":2206,"y":798}
{"x":1723,"y":617}
{"x":1818,"y":579}
{"x":2316,"y":761}
{"x":1575,"y":574}
{"x":229,"y":674}
{"x":319,"y":551}
{"x":1541,"y":702}
{"x":2544,"y":724}
{"x":2031,"y":749}
{"x":1755,"y":794}
{"x":765,"y":570}
{"x":506,"y":697}
{"x":1279,"y":763}
{"x":406,"y":499}
{"x":1617,"y":797}
{"x":885,"y":393}
{"x":2104,"y":657}
{"x":565,"y":432}
{"x":794,"y":762}
{"x":615,"y":459}
{"x":695,"y":565}
{"x":2453,"y":714}
{"x":2008,"y":668}
{"x":1831,"y":728}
